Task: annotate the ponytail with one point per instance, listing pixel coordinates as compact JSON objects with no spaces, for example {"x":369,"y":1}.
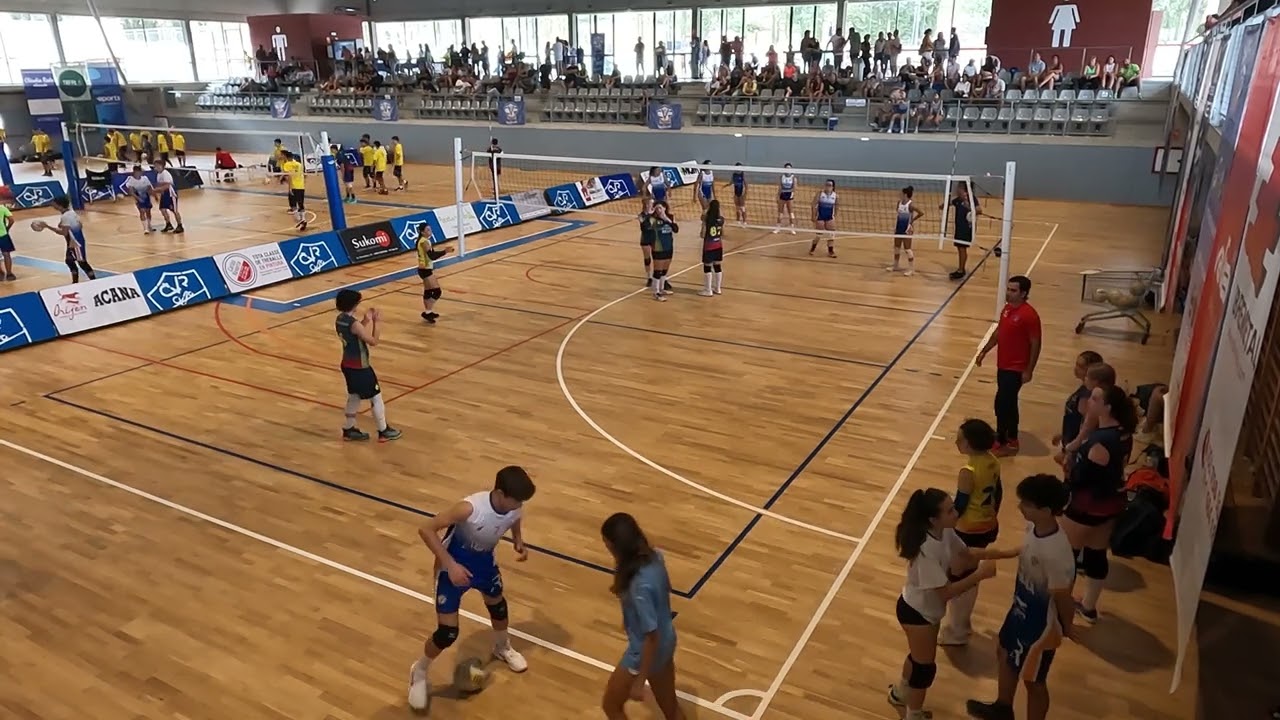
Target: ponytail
{"x":917,"y":519}
{"x":1121,"y":407}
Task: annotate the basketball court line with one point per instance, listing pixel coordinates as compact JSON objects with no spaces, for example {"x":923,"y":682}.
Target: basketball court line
{"x":346,"y":569}
{"x":889,"y":499}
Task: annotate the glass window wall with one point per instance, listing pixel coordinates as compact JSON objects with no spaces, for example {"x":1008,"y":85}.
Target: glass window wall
{"x":26,"y":41}
{"x":222,"y":50}
{"x":149,"y":50}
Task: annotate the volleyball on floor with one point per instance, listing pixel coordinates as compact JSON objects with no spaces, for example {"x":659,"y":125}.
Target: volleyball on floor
{"x":470,"y":676}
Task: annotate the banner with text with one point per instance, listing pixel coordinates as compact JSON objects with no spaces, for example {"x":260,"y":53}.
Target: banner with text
{"x":314,"y":254}
{"x":24,"y":321}
{"x":43,"y":102}
{"x":529,"y":204}
{"x":254,"y":267}
{"x":73,"y":90}
{"x":95,"y":303}
{"x":447,"y":217}
{"x":370,"y":242}
{"x":619,"y":186}
{"x":108,"y":95}
{"x":177,"y":285}
{"x":493,"y":215}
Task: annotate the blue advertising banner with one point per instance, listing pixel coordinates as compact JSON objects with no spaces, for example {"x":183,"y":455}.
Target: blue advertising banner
{"x":313,"y":254}
{"x":410,"y":227}
{"x":386,"y":109}
{"x":494,"y":215}
{"x":24,"y":321}
{"x":664,"y":116}
{"x":511,"y":110}
{"x":617,"y":187}
{"x":108,"y":96}
{"x":33,"y":195}
{"x":43,"y":101}
{"x":597,"y":54}
{"x":189,"y":282}
{"x":281,"y":108}
{"x":566,"y":197}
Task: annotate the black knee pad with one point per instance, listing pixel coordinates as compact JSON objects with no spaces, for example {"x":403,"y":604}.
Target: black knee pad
{"x":498,"y":610}
{"x":922,"y":674}
{"x":648,"y":262}
{"x":1095,"y":563}
{"x":706,"y":268}
{"x":716,"y":267}
{"x":433,"y":294}
{"x":444,"y":636}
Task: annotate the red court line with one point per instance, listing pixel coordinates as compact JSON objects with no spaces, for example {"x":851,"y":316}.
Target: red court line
{"x":525,"y":300}
{"x":217,"y":319}
{"x":162,"y":363}
{"x":528,"y":275}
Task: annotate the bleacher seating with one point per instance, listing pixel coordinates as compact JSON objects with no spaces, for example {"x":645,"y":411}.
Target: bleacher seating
{"x":227,"y":97}
{"x":601,"y":105}
{"x":340,"y":105}
{"x":453,"y":107}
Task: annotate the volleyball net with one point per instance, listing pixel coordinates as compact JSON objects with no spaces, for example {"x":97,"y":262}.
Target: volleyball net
{"x":252,"y":150}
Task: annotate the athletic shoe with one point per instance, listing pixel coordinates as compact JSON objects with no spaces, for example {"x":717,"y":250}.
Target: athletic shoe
{"x":901,"y":704}
{"x":419,"y":691}
{"x":989,"y":711}
{"x":1005,"y":449}
{"x":352,"y":433}
{"x":167,"y":228}
{"x":705,"y":293}
{"x":511,"y":657}
{"x":388,"y":435}
{"x":957,"y":275}
{"x":1089,"y":616}
{"x":179,"y":230}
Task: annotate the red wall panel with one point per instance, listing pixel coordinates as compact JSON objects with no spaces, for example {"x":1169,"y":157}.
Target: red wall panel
{"x":1075,"y":31}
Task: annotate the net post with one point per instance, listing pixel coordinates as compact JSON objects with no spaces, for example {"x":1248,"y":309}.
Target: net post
{"x":1006,"y":233}
{"x":458,"y":192}
{"x":946,"y":198}
{"x":6,"y":171}
{"x":333,"y":191}
{"x":69,"y":165}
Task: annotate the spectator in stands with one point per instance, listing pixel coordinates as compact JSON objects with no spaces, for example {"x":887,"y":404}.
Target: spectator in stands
{"x":668,"y":76}
{"x":929,"y":112}
{"x":939,"y":49}
{"x":837,"y":43}
{"x":814,"y":88}
{"x":573,"y":78}
{"x":952,"y":72}
{"x":991,"y":64}
{"x":1110,"y":72}
{"x":222,"y":160}
{"x":1090,"y":76}
{"x":953,"y":46}
{"x":900,"y":110}
{"x":484,"y":56}
{"x":1035,"y":70}
{"x":963,"y":88}
{"x":749,"y":87}
{"x":706,"y":56}
{"x":695,"y":58}
{"x":810,"y":52}
{"x":726,"y":51}
{"x":719,"y":84}
{"x":880,"y":55}
{"x":544,"y":76}
{"x":660,"y":57}
{"x":1051,"y":76}
{"x":790,"y":72}
{"x":872,"y":88}
{"x":926,"y":48}
{"x":737,"y":51}
{"x":864,"y":52}
{"x":895,"y":49}
{"x":1130,"y":75}
{"x":993,"y":86}
{"x":613,"y":80}
{"x":938,"y":79}
{"x":769,"y":78}
{"x":971,"y":70}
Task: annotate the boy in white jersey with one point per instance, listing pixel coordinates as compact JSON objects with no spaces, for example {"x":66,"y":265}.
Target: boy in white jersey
{"x":167,"y":193}
{"x":465,"y":559}
{"x":140,"y":188}
{"x":1042,"y":606}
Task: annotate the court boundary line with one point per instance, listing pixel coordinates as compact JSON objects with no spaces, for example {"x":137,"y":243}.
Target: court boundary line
{"x":888,"y":501}
{"x":340,"y":567}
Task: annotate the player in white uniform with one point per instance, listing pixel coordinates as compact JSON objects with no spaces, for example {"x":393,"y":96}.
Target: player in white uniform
{"x":140,"y":188}
{"x":167,"y":193}
{"x":71,"y":230}
{"x":904,"y":228}
{"x":465,"y":559}
{"x":786,"y":193}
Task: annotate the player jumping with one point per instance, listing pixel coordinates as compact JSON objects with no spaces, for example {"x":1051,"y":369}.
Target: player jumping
{"x":465,"y":559}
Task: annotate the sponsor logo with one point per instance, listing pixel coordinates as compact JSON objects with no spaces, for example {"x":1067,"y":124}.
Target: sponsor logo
{"x":672,"y":176}
{"x":385,"y":109}
{"x":69,"y":306}
{"x":312,"y":258}
{"x":511,"y":111}
{"x":412,"y":231}
{"x":665,"y":116}
{"x":178,"y":289}
{"x":12,"y":330}
{"x":495,"y":215}
{"x":112,"y":295}
{"x":34,"y":195}
{"x":369,"y":242}
{"x":615,"y":189}
{"x":380,"y":239}
{"x":109,"y":98}
{"x":239,"y":270}
{"x":564,"y":199}
{"x":71,"y":83}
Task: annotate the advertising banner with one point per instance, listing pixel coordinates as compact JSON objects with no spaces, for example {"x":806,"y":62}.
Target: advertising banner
{"x":281,"y":108}
{"x":24,"y":321}
{"x":370,"y":242}
{"x":34,"y":195}
{"x":73,"y":89}
{"x":619,"y":186}
{"x":95,"y":303}
{"x":493,"y":215}
{"x":177,"y":285}
{"x":565,"y":197}
{"x":409,"y":228}
{"x":446,"y":217}
{"x":254,"y":267}
{"x":592,"y":191}
{"x":597,"y":54}
{"x":43,"y":101}
{"x":529,"y":204}
{"x":386,"y":109}
{"x":665,"y":116}
{"x":511,"y":111}
{"x":108,"y":95}
{"x":314,"y":253}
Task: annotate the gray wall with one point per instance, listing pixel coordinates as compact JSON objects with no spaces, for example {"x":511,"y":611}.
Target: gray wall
{"x":1047,"y":171}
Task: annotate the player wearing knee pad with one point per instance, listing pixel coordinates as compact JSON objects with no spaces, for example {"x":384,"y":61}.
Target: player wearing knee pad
{"x":464,"y":540}
{"x":431,"y":292}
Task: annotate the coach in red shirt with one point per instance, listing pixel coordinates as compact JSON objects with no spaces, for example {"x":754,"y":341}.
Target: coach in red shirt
{"x":1017,"y":339}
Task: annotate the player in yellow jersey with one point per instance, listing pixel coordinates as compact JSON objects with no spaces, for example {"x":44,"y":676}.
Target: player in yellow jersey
{"x":294,"y":175}
{"x":978,"y":496}
{"x":135,"y":145}
{"x":379,"y":167}
{"x":431,"y":292}
{"x":111,"y":152}
{"x":162,"y":147}
{"x":366,"y":161}
{"x":397,"y":162}
{"x":179,"y":147}
{"x":41,"y":144}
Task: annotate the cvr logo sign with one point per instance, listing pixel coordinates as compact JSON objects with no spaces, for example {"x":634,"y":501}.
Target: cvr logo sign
{"x":313,"y":257}
{"x":13,"y":332}
{"x":178,"y":289}
{"x":412,"y":231}
{"x":495,"y":215}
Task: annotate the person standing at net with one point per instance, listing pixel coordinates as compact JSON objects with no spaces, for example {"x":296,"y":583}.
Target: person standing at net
{"x":343,"y":159}
{"x":966,"y":209}
{"x":739,"y":183}
{"x":366,"y":161}
{"x":648,"y":235}
{"x":431,"y":291}
{"x":1017,"y":343}
{"x":786,"y":194}
{"x":712,"y":250}
{"x":297,"y":179}
{"x":657,"y":185}
{"x":179,"y":147}
{"x":397,"y":162}
{"x":466,"y":559}
{"x":903,"y":230}
{"x":824,"y":217}
{"x":41,"y":144}
{"x":495,"y":164}
{"x":71,"y":230}
{"x":167,"y":193}
{"x":139,"y":186}
{"x":663,"y":250}
{"x":162,"y":146}
{"x":357,"y":336}
{"x":706,"y":186}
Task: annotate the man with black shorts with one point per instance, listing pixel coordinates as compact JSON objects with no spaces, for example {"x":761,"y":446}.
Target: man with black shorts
{"x":966,"y":210}
{"x":357,"y":336}
{"x":495,"y":162}
{"x":295,"y":175}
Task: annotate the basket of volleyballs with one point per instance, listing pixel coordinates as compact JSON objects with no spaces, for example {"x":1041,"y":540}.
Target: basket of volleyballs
{"x":470,"y":676}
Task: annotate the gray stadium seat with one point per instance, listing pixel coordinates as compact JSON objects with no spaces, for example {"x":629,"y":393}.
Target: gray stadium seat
{"x":1022,"y":119}
{"x":1005,"y":118}
{"x":1060,"y":118}
{"x":1100,"y":121}
{"x":1067,"y":96}
{"x":989,"y":116}
{"x":1012,"y":95}
{"x":1031,"y":96}
{"x":1079,"y":121}
{"x":970,"y":117}
{"x":1130,"y":93}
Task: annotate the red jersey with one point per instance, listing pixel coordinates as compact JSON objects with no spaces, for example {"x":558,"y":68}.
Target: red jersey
{"x":224,"y":161}
{"x":1018,"y":326}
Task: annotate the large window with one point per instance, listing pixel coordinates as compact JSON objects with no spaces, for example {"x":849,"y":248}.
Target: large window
{"x":26,"y":41}
{"x":674,"y":29}
{"x":222,"y":49}
{"x":532,"y":33}
{"x":1173,"y":23}
{"x":413,"y":40}
{"x":624,"y":31}
{"x":148,"y":50}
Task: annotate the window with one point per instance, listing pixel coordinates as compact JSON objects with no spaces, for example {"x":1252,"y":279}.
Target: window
{"x":222,"y":49}
{"x":419,"y":39}
{"x":148,"y":50}
{"x":1173,"y":22}
{"x":26,"y":41}
{"x":674,"y":28}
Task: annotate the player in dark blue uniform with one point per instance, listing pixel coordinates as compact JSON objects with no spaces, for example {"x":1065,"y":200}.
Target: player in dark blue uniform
{"x":966,"y":210}
{"x":712,"y":250}
{"x":740,"y":195}
{"x":706,"y":186}
{"x":346,"y":159}
{"x":648,"y":229}
{"x":663,"y":250}
{"x":824,"y":217}
{"x":357,"y":336}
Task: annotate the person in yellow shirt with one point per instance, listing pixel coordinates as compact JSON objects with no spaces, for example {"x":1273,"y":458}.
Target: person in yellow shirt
{"x":366,"y":161}
{"x":122,"y":145}
{"x":179,"y":148}
{"x":295,"y":176}
{"x":277,"y":157}
{"x":427,"y":256}
{"x":379,"y":167}
{"x":397,"y":162}
{"x":162,"y":147}
{"x":41,"y":144}
{"x":978,"y":496}
{"x":135,"y":144}
{"x":111,"y":152}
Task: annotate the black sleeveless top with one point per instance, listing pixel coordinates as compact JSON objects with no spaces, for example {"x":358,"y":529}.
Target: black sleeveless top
{"x":1099,"y":489}
{"x":1072,"y":418}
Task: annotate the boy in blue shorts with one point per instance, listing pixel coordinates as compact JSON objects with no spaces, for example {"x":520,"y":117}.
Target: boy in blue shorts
{"x":1042,"y":606}
{"x":346,"y":160}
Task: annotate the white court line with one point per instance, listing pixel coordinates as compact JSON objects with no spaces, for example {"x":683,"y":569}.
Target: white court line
{"x":545,"y":644}
{"x":759,"y":694}
{"x":568,"y":395}
{"x":880,"y":513}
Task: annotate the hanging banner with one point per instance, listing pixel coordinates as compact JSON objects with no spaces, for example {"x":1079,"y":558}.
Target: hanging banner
{"x":386,"y":109}
{"x":42,"y":100}
{"x":664,"y":116}
{"x":108,"y":95}
{"x":281,"y":108}
{"x":73,"y":89}
{"x":511,"y":111}
{"x":1250,"y":211}
{"x":597,"y":54}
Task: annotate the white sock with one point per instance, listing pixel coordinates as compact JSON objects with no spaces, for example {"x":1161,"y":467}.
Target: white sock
{"x":353,"y":407}
{"x":1092,"y":591}
{"x":420,"y":668}
{"x":706,"y":282}
{"x":380,"y":412}
{"x":500,"y":639}
{"x":911,"y":257}
{"x":791,"y":219}
{"x":897,"y":254}
{"x":719,"y":280}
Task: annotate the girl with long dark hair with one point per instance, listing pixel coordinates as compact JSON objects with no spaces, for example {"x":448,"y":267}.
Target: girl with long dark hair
{"x":979,"y":493}
{"x":712,"y":250}
{"x":664,"y":239}
{"x":927,"y":540}
{"x":1077,"y":406}
{"x":641,"y":584}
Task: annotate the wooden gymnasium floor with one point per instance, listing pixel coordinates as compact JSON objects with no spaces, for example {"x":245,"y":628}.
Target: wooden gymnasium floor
{"x":182,"y":534}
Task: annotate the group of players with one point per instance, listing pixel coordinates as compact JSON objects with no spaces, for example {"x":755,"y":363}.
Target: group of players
{"x":658,"y":226}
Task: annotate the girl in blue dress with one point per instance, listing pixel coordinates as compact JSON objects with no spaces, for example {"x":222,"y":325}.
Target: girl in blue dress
{"x":656,"y":186}
{"x":706,"y":186}
{"x":903,"y":230}
{"x":740,"y":195}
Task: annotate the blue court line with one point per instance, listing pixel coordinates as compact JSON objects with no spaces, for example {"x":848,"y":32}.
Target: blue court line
{"x":321,"y":198}
{"x":284,"y":306}
{"x":813,"y":454}
{"x":54,"y":266}
{"x":319,"y":481}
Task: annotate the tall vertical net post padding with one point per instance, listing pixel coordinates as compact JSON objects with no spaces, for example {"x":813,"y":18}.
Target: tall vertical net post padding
{"x":459,"y":196}
{"x":1006,"y":233}
{"x":69,"y":166}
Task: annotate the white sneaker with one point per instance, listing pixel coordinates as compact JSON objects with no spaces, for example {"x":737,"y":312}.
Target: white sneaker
{"x":659,"y":297}
{"x":950,"y":637}
{"x":893,"y":268}
{"x":776,"y":231}
{"x":511,"y":657}
{"x":419,"y":691}
{"x":909,"y":272}
{"x":717,"y":291}
{"x":705,"y":293}
{"x":793,"y":232}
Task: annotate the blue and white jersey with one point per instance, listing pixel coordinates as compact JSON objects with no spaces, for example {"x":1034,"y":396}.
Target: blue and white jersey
{"x":139,"y":188}
{"x":473,"y":541}
{"x":71,"y":221}
{"x":826,"y":206}
{"x":163,"y":177}
{"x":706,"y":183}
{"x":904,"y":218}
{"x":658,"y":187}
{"x":786,"y":187}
